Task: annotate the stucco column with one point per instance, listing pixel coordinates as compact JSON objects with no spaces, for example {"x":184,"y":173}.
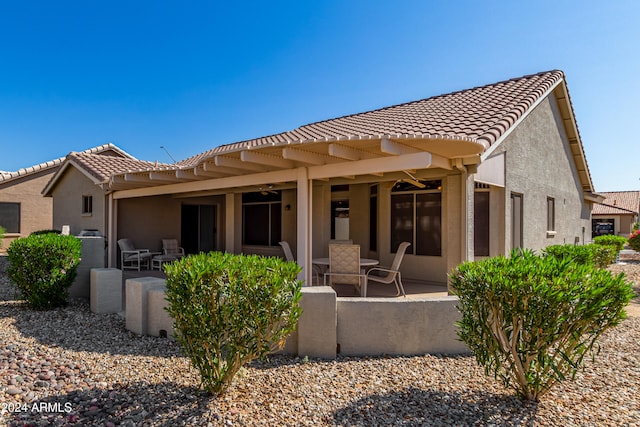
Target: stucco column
{"x":304,"y":225}
{"x":112,"y":230}
{"x":468,"y":215}
{"x":229,"y":218}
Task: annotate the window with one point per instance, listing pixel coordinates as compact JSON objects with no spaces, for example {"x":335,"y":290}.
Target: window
{"x":87,"y":205}
{"x":262,"y":218}
{"x":10,"y":217}
{"x":551,"y":214}
{"x":481,"y":223}
{"x":416,"y":217}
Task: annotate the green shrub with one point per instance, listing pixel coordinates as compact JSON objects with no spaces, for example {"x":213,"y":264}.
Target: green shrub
{"x":43,"y":268}
{"x":230,"y":309}
{"x":634,"y":240}
{"x":599,"y":256}
{"x":611,"y":240}
{"x":39,"y":232}
{"x":2,"y":231}
{"x":531,"y":320}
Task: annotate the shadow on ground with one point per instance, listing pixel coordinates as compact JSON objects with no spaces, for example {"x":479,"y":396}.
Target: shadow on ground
{"x":416,"y":407}
{"x":166,"y":404}
{"x":76,"y":328}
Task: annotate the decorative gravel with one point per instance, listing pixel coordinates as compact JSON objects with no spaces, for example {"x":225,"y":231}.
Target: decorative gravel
{"x":72,"y":367}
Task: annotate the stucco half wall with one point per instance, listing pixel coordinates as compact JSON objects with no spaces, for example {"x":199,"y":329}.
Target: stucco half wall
{"x":398,"y":326}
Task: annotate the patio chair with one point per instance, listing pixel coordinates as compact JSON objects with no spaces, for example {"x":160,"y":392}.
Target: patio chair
{"x":170,"y":248}
{"x":132,"y":258}
{"x":392,"y":274}
{"x":344,"y":267}
{"x":288,"y":255}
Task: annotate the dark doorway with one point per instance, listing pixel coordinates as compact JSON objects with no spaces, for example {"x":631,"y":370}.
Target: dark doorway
{"x":516,"y":220}
{"x":198,"y":228}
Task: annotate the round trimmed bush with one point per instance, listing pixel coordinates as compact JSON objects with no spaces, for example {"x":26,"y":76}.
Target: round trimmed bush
{"x":531,"y":320}
{"x":230,"y":309}
{"x":43,"y":267}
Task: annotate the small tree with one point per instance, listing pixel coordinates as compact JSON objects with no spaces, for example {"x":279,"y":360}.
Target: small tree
{"x":230,"y":309}
{"x":43,"y":267}
{"x":531,"y":320}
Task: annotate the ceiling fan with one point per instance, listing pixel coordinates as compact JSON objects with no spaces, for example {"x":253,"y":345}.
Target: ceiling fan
{"x":268,"y":190}
{"x":412,"y":180}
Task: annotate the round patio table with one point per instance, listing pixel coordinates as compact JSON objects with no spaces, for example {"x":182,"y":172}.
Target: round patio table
{"x":364,"y":262}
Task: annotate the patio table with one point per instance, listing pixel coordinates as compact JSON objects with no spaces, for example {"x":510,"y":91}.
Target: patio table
{"x":158,"y":260}
{"x":364,"y":262}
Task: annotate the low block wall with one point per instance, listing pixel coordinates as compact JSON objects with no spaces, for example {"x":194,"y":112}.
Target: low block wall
{"x":398,"y":326}
{"x":330,"y":325}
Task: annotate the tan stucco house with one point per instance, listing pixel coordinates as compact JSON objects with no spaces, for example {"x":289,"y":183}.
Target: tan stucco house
{"x":616,"y":214}
{"x":23,"y":210}
{"x":77,"y":191}
{"x":460,"y":176}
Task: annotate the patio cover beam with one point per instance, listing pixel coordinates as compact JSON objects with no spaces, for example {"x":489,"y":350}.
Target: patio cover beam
{"x":211,"y":184}
{"x":349,"y":153}
{"x":378,"y":165}
{"x":304,"y":156}
{"x":266,"y":159}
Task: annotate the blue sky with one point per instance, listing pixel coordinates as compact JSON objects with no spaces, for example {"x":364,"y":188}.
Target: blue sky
{"x":192,"y":75}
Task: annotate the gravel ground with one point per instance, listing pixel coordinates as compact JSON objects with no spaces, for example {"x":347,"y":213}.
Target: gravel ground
{"x":72,"y":367}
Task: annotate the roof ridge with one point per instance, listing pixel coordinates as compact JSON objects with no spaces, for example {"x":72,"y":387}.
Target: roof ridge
{"x":7,"y":176}
{"x":442,"y":95}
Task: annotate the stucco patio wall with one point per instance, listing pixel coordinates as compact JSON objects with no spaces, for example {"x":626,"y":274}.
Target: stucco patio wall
{"x":398,"y":326}
{"x":330,"y":325}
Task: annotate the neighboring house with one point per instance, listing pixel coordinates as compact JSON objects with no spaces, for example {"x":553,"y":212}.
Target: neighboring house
{"x":616,"y":214}
{"x":79,"y":198}
{"x":23,"y":210}
{"x":460,"y":176}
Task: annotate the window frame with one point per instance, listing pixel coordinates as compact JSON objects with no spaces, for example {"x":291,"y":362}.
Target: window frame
{"x":17,"y":221}
{"x":274,"y":231}
{"x":87,"y":205}
{"x":434,"y":187}
{"x":551,"y":216}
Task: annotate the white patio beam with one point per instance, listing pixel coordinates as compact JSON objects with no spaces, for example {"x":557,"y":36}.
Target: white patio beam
{"x":164,"y":176}
{"x":211,"y":169}
{"x":266,"y":159}
{"x":303,"y":156}
{"x":238,"y":164}
{"x":248,"y":180}
{"x":131,"y":177}
{"x":378,"y":165}
{"x":349,"y":153}
{"x":396,"y":148}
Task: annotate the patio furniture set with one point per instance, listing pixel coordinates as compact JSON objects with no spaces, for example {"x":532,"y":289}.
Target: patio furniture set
{"x":343,"y":266}
{"x":132,"y":258}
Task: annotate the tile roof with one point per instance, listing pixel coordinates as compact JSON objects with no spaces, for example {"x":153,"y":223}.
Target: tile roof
{"x":8,"y":176}
{"x":481,"y":114}
{"x":618,"y":202}
{"x":101,"y":167}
